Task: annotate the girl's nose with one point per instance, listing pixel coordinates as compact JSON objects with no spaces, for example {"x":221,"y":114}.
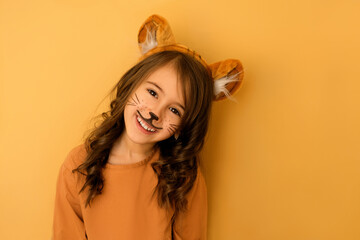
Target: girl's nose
{"x":153,"y":116}
{"x":157,"y":112}
{"x":154,"y":119}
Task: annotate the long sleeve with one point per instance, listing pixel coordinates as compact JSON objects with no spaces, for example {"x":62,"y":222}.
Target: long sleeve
{"x":68,"y":221}
{"x":192,"y":224}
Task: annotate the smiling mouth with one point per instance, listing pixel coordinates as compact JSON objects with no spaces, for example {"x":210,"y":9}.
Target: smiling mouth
{"x":143,"y":125}
{"x":148,"y":122}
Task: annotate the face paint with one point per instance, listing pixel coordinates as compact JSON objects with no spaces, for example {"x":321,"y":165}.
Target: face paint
{"x":153,"y":111}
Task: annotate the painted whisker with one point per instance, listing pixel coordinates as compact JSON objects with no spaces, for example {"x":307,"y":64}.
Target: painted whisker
{"x":173,"y":130}
{"x":134,"y":101}
{"x":137,"y":98}
{"x":131,"y":103}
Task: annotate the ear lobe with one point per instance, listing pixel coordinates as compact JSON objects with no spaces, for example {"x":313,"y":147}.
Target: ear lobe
{"x":155,"y":31}
{"x":176,"y":135}
{"x":227,"y":77}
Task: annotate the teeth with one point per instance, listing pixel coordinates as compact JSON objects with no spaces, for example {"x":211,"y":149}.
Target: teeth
{"x":144,"y":126}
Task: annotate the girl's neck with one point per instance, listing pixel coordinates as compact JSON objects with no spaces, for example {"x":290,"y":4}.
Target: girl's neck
{"x":126,"y":151}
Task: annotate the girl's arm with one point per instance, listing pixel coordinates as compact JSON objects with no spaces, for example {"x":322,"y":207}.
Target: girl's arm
{"x":192,"y":224}
{"x":68,"y":221}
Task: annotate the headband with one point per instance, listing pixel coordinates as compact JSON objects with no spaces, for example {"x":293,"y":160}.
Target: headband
{"x":155,"y":35}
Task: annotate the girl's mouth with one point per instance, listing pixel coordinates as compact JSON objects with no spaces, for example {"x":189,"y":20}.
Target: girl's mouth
{"x":143,"y":126}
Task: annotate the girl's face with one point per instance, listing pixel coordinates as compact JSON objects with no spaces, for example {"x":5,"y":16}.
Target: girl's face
{"x":154,"y":110}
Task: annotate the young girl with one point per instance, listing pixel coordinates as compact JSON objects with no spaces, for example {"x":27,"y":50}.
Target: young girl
{"x":137,"y":175}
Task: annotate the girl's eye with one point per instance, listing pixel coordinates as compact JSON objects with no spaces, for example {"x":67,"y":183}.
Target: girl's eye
{"x":152,"y":92}
{"x":174,"y":110}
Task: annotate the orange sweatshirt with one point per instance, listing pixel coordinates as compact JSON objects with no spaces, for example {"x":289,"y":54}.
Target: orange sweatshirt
{"x":125,"y":209}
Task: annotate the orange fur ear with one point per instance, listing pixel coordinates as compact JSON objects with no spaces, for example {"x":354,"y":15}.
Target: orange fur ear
{"x":155,"y":31}
{"x":228,"y":77}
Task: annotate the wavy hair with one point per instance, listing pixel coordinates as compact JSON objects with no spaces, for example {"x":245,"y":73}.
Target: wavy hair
{"x":177,"y":167}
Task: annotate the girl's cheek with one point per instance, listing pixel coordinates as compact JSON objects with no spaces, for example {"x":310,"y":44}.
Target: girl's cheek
{"x":166,"y":123}
{"x":171,"y":123}
{"x":144,"y":105}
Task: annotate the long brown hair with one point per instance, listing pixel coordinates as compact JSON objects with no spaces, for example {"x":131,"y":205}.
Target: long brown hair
{"x":179,"y":159}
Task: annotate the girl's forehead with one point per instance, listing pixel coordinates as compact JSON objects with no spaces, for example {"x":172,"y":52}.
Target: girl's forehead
{"x":166,"y":75}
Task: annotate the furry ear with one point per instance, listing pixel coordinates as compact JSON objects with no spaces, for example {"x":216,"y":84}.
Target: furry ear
{"x":155,"y":31}
{"x":155,"y":35}
{"x":227,"y":77}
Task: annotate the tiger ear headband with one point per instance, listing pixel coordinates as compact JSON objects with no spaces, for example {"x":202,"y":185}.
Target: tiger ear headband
{"x":155,"y":35}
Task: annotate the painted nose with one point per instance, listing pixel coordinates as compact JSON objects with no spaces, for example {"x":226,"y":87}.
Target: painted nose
{"x":153,"y":116}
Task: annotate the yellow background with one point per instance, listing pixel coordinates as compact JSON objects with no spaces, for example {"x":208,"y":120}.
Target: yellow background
{"x":281,"y":164}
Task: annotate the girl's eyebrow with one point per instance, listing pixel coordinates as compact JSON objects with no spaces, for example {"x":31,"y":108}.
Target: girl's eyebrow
{"x":156,"y":86}
{"x":163,"y":92}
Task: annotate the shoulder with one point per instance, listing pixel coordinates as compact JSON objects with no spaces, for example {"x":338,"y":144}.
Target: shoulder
{"x":199,"y":188}
{"x":75,"y":157}
{"x":200,"y":180}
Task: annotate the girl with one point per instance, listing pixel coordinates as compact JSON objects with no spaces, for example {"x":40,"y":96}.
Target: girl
{"x":137,"y":175}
